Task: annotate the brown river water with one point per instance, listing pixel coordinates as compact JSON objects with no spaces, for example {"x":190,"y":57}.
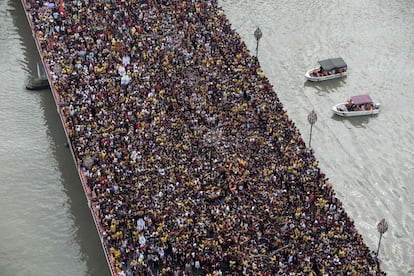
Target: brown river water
{"x":45,"y":223}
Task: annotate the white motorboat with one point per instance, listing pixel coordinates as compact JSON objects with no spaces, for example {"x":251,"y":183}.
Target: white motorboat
{"x":358,"y":105}
{"x":328,"y":69}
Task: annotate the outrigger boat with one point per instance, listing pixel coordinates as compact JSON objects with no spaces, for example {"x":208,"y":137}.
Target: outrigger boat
{"x":358,"y":105}
{"x":328,"y":69}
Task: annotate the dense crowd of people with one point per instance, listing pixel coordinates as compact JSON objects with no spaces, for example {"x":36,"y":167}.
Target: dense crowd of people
{"x":194,"y":165}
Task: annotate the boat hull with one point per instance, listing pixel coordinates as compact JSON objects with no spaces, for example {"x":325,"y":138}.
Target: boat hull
{"x":341,"y":110}
{"x":309,"y":77}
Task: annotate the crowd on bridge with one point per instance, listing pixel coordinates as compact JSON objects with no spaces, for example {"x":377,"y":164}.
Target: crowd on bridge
{"x":193,"y":163}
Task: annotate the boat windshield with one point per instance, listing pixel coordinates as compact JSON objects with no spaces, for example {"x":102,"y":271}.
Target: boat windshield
{"x":361,"y":99}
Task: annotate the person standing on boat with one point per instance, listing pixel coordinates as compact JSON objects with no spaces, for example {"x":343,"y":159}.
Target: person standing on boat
{"x":349,"y":105}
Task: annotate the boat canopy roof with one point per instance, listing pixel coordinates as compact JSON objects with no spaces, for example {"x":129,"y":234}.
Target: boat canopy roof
{"x":332,"y":63}
{"x":361,"y":99}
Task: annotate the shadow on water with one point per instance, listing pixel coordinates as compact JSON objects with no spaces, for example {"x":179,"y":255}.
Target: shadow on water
{"x":328,"y":86}
{"x":26,"y":41}
{"x":358,"y":122}
{"x":85,"y":234}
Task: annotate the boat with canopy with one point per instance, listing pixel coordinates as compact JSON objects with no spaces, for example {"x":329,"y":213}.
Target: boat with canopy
{"x":357,"y":105}
{"x":328,"y":69}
